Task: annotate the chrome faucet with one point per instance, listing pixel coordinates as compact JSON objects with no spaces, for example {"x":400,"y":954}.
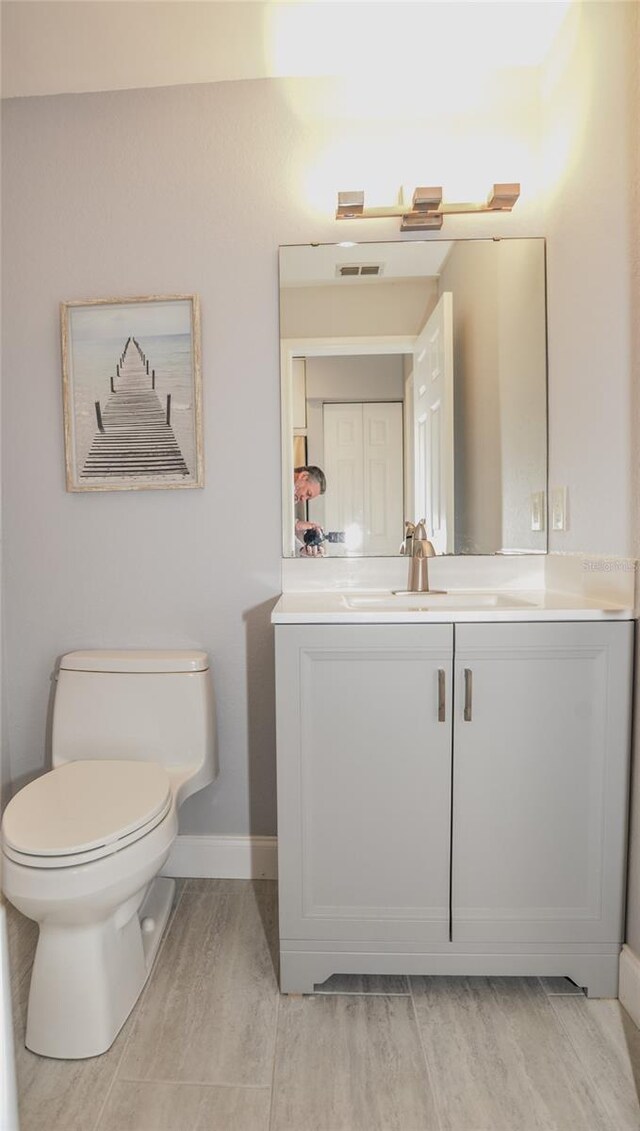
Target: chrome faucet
{"x":417,"y":547}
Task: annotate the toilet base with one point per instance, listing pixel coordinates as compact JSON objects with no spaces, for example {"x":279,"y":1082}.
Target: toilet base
{"x":87,"y":977}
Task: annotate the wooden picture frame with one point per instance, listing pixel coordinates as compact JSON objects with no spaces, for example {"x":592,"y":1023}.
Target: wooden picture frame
{"x":132,"y":393}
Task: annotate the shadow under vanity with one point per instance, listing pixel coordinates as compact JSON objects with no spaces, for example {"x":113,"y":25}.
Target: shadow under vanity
{"x":453,"y":779}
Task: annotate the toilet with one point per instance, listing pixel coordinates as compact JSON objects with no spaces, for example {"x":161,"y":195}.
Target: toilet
{"x":82,"y":845}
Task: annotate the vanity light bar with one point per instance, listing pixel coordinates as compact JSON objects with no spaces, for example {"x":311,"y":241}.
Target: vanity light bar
{"x":427,"y":207}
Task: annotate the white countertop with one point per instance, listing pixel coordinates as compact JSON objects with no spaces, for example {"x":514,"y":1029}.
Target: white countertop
{"x":383,"y":607}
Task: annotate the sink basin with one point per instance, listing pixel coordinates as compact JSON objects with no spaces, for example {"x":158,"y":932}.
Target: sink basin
{"x":434,"y":601}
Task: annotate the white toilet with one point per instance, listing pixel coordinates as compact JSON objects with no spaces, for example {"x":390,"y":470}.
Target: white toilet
{"x":133,"y":736}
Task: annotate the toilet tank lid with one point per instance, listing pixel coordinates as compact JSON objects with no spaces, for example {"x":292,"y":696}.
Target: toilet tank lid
{"x":135,"y":660}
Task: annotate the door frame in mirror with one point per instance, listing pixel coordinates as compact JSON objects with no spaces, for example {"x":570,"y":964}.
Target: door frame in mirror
{"x":318,"y":347}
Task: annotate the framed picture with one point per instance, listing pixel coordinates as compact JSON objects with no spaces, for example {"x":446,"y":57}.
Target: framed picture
{"x":132,"y":393}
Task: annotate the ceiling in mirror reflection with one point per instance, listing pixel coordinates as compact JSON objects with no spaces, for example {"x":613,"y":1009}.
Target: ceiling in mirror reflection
{"x":308,"y":266}
{"x":414,"y":376}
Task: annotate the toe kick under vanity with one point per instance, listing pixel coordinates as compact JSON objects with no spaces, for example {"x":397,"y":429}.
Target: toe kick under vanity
{"x":452,"y":787}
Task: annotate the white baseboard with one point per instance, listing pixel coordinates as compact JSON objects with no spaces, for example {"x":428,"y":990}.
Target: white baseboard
{"x":224,"y":857}
{"x":629,"y":987}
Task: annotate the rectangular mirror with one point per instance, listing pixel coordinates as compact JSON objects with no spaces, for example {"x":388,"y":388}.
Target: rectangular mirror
{"x":414,"y":385}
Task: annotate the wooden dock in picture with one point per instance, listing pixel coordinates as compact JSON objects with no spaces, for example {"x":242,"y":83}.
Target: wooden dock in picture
{"x":134,"y":436}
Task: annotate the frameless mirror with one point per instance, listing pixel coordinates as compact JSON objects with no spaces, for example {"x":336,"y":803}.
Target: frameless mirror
{"x":414,"y":379}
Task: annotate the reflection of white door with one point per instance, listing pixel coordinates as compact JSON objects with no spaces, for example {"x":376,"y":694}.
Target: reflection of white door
{"x":363,"y":466}
{"x":433,"y":425}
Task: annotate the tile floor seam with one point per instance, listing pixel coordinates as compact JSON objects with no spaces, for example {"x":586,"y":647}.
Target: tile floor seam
{"x":193,"y":1084}
{"x":275,"y":1058}
{"x":583,"y":1074}
{"x":136,"y":1005}
{"x":109,"y":1089}
{"x":134,"y":1068}
{"x":434,"y":1091}
{"x":145,"y":989}
{"x":575,"y":1075}
{"x":586,"y":1074}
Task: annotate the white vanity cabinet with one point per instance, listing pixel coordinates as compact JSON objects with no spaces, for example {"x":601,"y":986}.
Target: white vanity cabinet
{"x":452,"y":798}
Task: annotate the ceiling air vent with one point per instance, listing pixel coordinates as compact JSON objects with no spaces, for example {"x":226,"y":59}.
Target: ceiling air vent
{"x":361,"y":269}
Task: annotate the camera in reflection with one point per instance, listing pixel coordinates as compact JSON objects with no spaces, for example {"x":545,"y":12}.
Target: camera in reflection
{"x":317,"y":537}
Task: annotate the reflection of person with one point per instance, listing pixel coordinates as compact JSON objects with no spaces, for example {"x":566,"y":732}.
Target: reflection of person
{"x":308,"y":483}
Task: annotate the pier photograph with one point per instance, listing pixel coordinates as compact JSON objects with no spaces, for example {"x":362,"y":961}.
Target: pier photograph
{"x":132,"y":393}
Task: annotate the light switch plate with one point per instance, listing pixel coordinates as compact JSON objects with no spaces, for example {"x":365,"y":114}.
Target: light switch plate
{"x":558,"y":506}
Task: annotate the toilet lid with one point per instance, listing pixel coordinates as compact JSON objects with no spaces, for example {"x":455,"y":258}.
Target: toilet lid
{"x":84,"y":805}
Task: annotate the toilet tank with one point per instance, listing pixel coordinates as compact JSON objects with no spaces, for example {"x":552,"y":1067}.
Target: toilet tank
{"x":147,"y":706}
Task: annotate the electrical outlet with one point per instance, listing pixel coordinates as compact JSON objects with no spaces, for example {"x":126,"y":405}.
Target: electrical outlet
{"x":537,"y":510}
{"x":558,"y":500}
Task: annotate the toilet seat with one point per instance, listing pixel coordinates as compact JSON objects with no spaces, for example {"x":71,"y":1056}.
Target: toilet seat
{"x":84,"y":810}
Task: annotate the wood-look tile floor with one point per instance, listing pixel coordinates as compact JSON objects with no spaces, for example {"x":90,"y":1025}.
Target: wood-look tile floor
{"x":212,"y":1046}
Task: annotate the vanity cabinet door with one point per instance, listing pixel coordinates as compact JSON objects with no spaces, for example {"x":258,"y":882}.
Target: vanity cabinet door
{"x":540,"y":781}
{"x":364,"y":781}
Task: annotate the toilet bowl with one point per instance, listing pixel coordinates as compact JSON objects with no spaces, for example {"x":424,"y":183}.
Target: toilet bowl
{"x":83,"y":844}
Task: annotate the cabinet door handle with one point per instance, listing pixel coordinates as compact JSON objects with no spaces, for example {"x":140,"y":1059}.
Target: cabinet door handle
{"x":441,"y":696}
{"x":468,"y":694}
